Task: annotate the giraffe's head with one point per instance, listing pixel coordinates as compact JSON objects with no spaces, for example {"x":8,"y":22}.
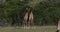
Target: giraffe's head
{"x":29,"y":9}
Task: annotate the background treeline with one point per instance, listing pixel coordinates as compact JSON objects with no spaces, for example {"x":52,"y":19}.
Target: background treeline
{"x":46,"y":12}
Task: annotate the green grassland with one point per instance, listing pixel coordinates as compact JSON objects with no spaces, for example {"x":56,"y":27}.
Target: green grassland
{"x":29,"y":29}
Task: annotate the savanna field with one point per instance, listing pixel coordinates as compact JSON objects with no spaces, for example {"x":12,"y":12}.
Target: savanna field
{"x":29,"y":29}
{"x":46,"y":12}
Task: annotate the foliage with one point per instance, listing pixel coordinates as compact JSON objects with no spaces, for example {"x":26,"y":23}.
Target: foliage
{"x":45,"y":13}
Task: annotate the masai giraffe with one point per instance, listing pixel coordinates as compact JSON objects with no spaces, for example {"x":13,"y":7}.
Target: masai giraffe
{"x":28,"y":17}
{"x":25,"y":18}
{"x":58,"y":26}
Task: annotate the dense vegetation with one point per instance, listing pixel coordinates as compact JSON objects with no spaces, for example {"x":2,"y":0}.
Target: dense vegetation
{"x":45,"y":13}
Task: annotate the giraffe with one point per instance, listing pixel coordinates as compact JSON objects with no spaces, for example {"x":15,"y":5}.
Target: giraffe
{"x":28,"y":17}
{"x":58,"y":26}
{"x":25,"y":19}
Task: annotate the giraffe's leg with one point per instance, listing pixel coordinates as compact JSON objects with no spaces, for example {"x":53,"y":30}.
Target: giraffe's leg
{"x":25,"y":23}
{"x":57,"y":31}
{"x":31,"y":23}
{"x":28,"y":23}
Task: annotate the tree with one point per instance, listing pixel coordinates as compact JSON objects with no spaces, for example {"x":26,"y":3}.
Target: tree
{"x":46,"y":14}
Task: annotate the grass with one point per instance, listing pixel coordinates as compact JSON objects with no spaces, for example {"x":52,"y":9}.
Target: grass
{"x":29,"y":29}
